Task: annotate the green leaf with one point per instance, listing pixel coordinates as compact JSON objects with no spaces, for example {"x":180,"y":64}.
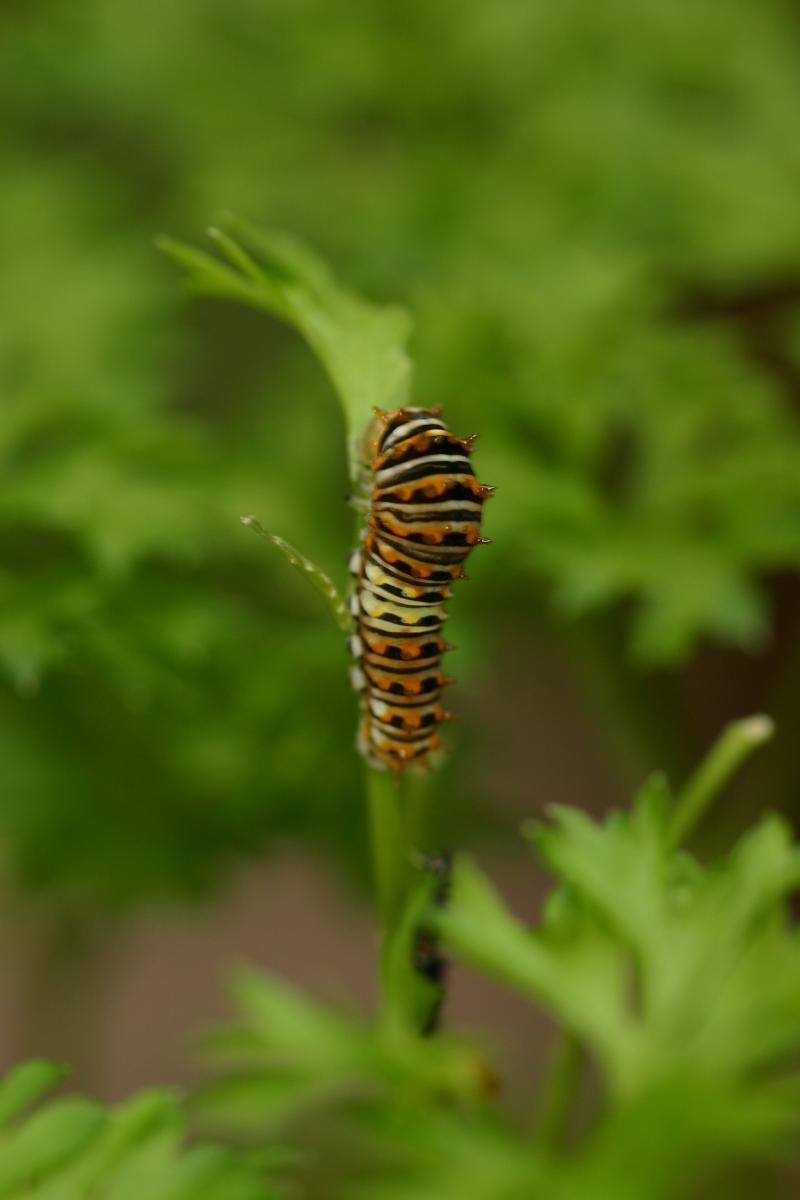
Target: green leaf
{"x":46,"y":1142}
{"x":571,"y":965}
{"x":300,"y":1053}
{"x":74,"y":1149}
{"x":457,"y":1159}
{"x":315,"y":1037}
{"x":25,"y":1084}
{"x":675,"y":1132}
{"x":362,"y":346}
{"x":148,"y":1119}
{"x":593,"y":859}
{"x":255,"y":1100}
{"x":655,"y":963}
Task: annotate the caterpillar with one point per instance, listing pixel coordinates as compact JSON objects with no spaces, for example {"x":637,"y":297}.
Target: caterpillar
{"x":423,"y":505}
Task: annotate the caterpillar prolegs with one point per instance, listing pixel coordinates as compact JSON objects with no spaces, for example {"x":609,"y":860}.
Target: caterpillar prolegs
{"x":424,"y":511}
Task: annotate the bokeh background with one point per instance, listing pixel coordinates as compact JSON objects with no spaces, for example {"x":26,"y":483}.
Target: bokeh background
{"x":592,"y":213}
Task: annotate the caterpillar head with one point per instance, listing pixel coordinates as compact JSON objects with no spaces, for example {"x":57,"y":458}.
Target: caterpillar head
{"x":385,"y":420}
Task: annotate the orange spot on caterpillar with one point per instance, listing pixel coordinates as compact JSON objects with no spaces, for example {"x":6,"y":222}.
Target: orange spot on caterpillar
{"x":436,"y":488}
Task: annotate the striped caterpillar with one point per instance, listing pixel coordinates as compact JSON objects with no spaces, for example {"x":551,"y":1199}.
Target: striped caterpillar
{"x":424,"y":510}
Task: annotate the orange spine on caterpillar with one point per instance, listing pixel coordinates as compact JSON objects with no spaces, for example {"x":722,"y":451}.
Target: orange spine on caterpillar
{"x":424,"y":513}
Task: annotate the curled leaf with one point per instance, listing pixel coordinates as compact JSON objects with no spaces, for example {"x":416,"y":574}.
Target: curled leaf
{"x":362,"y":346}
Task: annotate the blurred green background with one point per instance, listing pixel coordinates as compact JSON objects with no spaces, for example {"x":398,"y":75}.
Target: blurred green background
{"x":591,"y":212}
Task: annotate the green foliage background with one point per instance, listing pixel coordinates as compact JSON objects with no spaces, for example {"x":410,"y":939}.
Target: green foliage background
{"x":591,"y":212}
{"x":677,"y":982}
{"x":71,"y":1148}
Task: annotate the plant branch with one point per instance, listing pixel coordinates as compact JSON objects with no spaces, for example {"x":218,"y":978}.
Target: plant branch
{"x":388,"y":845}
{"x":418,"y":789}
{"x":315,"y":576}
{"x":558,"y":1093}
{"x":736,"y":743}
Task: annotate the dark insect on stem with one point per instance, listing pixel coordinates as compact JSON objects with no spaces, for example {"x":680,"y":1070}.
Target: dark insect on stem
{"x":429,"y":960}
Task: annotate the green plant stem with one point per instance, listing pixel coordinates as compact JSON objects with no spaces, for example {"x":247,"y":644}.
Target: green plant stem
{"x":558,"y":1093}
{"x":735,"y":744}
{"x":417,"y":794}
{"x":388,"y":845}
